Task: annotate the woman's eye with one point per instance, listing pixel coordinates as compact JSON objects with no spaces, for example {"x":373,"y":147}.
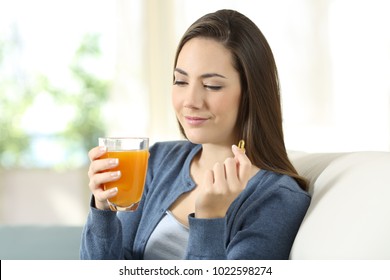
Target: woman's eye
{"x":212,"y":87}
{"x":179,"y":83}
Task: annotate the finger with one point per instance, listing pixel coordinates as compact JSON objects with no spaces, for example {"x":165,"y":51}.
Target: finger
{"x":96,"y":152}
{"x":100,"y":165}
{"x":98,"y":180}
{"x":232,"y":175}
{"x":208,"y":179}
{"x":220,"y":182}
{"x":244,"y":164}
{"x":104,"y":195}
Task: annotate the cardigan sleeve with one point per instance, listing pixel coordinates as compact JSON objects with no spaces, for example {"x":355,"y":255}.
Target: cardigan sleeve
{"x":102,"y":236}
{"x":206,"y":239}
{"x":269,"y":226}
{"x":261,"y":228}
{"x":110,"y":235}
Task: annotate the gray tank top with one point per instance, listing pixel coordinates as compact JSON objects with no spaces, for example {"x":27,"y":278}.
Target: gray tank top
{"x":168,"y":241}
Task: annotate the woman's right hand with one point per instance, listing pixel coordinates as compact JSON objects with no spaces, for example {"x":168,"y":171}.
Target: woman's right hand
{"x":99,"y":173}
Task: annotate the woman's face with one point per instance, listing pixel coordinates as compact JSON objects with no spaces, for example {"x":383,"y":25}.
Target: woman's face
{"x":206,"y":92}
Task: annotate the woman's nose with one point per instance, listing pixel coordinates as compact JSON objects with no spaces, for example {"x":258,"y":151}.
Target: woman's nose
{"x":193,"y":97}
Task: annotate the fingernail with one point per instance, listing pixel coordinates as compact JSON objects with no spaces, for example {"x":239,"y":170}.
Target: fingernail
{"x":102,"y":149}
{"x":113,"y":162}
{"x":114,"y":190}
{"x":115,"y":174}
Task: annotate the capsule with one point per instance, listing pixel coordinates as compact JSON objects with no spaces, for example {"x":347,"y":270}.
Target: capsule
{"x":241,"y":145}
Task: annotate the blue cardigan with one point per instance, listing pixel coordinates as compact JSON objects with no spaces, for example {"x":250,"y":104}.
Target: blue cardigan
{"x":261,"y":223}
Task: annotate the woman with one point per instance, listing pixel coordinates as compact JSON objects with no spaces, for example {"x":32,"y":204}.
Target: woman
{"x":205,"y":198}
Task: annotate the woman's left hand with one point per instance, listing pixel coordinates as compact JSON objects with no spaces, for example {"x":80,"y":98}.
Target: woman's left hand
{"x":222,"y":185}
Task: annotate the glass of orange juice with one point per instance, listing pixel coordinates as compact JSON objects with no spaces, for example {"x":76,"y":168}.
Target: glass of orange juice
{"x":133,"y":154}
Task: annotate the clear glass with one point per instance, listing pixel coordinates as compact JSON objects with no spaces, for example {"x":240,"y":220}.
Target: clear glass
{"x":133,"y":154}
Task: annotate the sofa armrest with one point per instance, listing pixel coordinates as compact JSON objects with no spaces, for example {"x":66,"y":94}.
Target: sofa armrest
{"x":349,"y":216}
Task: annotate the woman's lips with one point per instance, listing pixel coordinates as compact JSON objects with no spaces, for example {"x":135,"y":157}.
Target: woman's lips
{"x":195,"y":120}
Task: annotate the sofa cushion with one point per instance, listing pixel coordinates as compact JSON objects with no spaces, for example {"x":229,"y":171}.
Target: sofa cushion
{"x":349,"y":216}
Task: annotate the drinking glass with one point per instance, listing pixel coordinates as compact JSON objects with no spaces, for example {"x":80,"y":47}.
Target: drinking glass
{"x":133,"y":154}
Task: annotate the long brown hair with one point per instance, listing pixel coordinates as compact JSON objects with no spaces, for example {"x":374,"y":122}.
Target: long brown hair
{"x":260,"y":115}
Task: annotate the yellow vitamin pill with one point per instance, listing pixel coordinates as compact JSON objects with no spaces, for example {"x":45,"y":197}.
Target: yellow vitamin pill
{"x":241,"y":145}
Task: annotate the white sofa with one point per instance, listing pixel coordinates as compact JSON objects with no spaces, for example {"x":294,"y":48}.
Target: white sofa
{"x":349,"y":216}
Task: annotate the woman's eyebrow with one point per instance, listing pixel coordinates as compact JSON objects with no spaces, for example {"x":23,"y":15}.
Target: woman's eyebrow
{"x":206,"y":75}
{"x":181,"y":71}
{"x":210,"y":75}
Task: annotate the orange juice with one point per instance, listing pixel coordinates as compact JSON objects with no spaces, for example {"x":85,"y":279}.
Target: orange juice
{"x":133,"y":166}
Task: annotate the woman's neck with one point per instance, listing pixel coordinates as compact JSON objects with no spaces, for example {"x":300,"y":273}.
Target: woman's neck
{"x":211,"y":154}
